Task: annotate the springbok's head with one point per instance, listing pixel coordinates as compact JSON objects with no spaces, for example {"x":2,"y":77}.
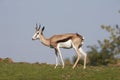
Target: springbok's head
{"x":38,"y":32}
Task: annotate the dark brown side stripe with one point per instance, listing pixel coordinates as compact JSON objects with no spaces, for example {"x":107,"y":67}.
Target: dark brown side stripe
{"x":64,"y":40}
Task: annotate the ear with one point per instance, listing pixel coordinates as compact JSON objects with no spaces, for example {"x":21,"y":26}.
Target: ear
{"x":43,"y":28}
{"x":39,"y":27}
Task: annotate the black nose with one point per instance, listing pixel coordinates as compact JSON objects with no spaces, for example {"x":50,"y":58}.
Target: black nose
{"x":32,"y":39}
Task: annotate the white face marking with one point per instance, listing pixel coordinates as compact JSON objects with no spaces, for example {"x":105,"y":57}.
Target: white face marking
{"x":67,"y":44}
{"x":36,"y":36}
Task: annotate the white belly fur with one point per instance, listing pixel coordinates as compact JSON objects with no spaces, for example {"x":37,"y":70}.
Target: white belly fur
{"x":67,"y":44}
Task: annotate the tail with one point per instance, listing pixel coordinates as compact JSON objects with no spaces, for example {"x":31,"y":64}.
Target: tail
{"x":82,"y":40}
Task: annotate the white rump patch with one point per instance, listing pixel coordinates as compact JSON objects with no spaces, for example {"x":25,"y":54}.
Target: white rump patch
{"x":67,"y":44}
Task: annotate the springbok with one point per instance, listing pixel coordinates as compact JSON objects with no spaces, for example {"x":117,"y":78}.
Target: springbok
{"x":69,"y":40}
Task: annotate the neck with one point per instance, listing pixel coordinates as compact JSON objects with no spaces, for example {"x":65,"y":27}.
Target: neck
{"x":44,"y":41}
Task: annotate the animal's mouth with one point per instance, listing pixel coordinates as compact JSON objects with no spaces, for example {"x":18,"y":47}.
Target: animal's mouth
{"x":33,"y":39}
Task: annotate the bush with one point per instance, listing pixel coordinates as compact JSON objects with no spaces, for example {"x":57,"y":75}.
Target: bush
{"x":104,"y":53}
{"x":98,"y":58}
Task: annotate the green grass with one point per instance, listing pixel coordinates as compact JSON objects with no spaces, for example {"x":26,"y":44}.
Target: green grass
{"x":26,"y":71}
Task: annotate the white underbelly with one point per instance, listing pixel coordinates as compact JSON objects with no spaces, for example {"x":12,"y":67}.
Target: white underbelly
{"x":67,"y":44}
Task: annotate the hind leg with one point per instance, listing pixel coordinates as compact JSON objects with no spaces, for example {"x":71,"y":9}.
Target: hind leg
{"x":78,"y":57}
{"x":84,"y":55}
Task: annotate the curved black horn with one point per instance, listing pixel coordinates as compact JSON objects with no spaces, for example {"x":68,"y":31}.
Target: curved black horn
{"x":36,"y":26}
{"x":43,"y":28}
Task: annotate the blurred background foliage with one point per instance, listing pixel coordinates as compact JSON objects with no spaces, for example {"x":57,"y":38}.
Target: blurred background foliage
{"x":105,"y":52}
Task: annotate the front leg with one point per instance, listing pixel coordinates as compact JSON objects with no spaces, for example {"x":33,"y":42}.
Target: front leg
{"x":56,"y":62}
{"x":60,"y":55}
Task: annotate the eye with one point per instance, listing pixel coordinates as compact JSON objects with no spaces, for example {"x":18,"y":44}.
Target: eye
{"x":37,"y":33}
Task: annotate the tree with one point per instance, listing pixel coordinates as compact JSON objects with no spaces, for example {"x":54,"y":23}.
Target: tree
{"x":113,"y":43}
{"x":106,"y":50}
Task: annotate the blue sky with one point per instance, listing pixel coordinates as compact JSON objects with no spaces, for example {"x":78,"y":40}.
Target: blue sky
{"x":18,"y":19}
